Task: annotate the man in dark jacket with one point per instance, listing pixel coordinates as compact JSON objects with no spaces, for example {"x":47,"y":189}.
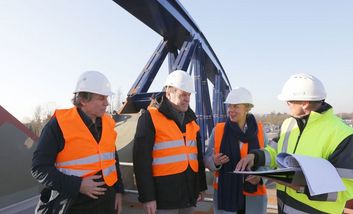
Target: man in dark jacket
{"x":167,"y":154}
{"x":76,"y":159}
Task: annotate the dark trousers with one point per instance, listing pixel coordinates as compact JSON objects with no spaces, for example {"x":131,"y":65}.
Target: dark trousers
{"x":105,"y":204}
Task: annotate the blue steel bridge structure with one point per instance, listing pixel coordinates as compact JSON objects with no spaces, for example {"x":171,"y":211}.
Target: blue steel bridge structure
{"x":186,"y":48}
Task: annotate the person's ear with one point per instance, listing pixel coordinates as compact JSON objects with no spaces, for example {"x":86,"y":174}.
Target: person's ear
{"x":83,"y":102}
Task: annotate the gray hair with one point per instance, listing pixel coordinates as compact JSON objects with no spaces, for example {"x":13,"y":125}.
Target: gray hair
{"x":81,"y":96}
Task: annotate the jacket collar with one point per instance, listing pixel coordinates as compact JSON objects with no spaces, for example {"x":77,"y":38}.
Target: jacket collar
{"x":166,"y":108}
{"x":314,"y":115}
{"x":88,"y":122}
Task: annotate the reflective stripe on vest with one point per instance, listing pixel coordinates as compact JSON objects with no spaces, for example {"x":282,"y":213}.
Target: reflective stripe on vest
{"x":288,"y":209}
{"x":345,"y":173}
{"x":64,"y":167}
{"x":173,"y":151}
{"x":88,"y":160}
{"x":287,"y":133}
{"x":82,"y":156}
{"x":218,"y":135}
{"x":272,"y":144}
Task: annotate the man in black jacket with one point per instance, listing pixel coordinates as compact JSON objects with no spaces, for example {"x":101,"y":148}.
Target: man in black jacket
{"x":76,"y":159}
{"x":167,"y":153}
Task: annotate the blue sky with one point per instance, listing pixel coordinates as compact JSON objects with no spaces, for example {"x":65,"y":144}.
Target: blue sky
{"x":46,"y":45}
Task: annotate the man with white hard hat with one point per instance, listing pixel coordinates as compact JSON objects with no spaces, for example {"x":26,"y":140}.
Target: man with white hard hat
{"x":167,"y":154}
{"x":312,"y":130}
{"x":76,"y":159}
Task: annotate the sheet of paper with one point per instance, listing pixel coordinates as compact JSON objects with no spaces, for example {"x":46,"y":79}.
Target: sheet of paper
{"x":285,"y":160}
{"x":320,"y":175}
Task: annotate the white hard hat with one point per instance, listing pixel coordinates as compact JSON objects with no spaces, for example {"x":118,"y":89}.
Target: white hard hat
{"x":93,"y":82}
{"x":180,"y":80}
{"x":239,"y":95}
{"x":303,"y":87}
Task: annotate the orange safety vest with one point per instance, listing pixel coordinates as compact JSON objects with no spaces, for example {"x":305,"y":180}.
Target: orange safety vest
{"x":82,"y":156}
{"x":218,"y":134}
{"x":173,"y":151}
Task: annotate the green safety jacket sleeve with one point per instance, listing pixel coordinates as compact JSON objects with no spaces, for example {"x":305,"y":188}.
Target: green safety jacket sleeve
{"x":342,"y":157}
{"x":265,"y":157}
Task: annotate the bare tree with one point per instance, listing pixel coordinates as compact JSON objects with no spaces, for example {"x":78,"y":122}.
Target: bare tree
{"x":48,"y":111}
{"x":36,"y":122}
{"x":115,"y":101}
{"x":41,"y":116}
{"x":273,"y":118}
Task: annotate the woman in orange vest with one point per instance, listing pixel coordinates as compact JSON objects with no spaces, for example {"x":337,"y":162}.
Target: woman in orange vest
{"x":228,"y":143}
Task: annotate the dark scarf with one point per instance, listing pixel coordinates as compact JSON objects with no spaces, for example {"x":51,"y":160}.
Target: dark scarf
{"x":231,"y":186}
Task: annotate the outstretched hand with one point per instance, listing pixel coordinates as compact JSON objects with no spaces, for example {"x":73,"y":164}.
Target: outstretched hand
{"x":246,"y":163}
{"x":220,"y":159}
{"x":253,"y":179}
